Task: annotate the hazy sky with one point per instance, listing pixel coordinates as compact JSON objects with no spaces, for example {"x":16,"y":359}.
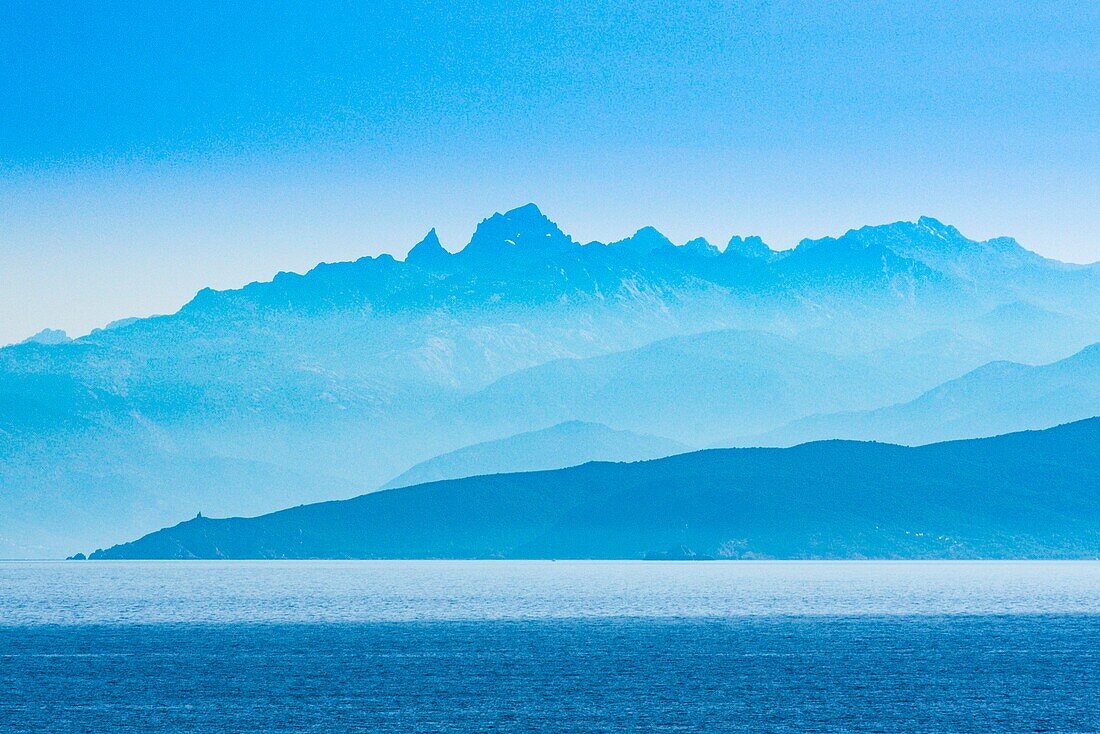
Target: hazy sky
{"x":147,"y":153}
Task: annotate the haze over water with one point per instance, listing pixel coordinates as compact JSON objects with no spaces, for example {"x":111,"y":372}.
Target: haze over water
{"x":577,"y":646}
{"x":41,"y":593}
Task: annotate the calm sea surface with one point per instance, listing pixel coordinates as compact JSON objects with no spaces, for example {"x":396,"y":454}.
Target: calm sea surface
{"x":541,"y":646}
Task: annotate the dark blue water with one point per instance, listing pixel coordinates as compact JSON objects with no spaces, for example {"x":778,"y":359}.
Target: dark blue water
{"x":549,"y":647}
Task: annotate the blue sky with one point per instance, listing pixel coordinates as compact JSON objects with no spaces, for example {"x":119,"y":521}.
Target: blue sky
{"x":147,"y":153}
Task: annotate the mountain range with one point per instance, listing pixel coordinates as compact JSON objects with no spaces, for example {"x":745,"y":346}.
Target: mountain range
{"x":995,"y":398}
{"x":322,"y":385}
{"x":1022,"y":495}
{"x":565,"y":444}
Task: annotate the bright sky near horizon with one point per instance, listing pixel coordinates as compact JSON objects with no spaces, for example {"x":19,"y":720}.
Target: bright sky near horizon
{"x":148,"y":152}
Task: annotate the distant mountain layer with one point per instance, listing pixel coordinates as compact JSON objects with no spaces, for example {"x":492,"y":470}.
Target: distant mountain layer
{"x":710,"y":389}
{"x":566,"y":444}
{"x":993,"y":399}
{"x":301,"y":388}
{"x":1024,"y":495}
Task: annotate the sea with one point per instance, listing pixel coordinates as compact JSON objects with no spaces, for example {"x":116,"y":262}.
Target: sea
{"x":543,"y":646}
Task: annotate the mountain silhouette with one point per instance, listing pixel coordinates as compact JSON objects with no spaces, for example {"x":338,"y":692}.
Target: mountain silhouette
{"x":1023,"y":495}
{"x":996,"y":398}
{"x":317,"y":385}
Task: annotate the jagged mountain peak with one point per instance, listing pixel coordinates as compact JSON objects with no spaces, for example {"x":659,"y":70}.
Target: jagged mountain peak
{"x":935,"y":226}
{"x":529,"y":210}
{"x":524,"y":226}
{"x":296,"y":387}
{"x":752,"y":246}
{"x":944,"y":247}
{"x":938,"y":245}
{"x":529,"y":258}
{"x":644,"y":241}
{"x":924,"y":229}
{"x":427,"y":250}
{"x":700,"y":246}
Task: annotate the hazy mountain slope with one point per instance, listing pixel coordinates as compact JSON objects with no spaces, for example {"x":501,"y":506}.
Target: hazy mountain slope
{"x":1025,"y":495}
{"x":1023,"y":332}
{"x":92,"y":484}
{"x":561,"y":445}
{"x":1018,"y":272}
{"x":996,"y":398}
{"x":707,"y":389}
{"x":314,"y":375}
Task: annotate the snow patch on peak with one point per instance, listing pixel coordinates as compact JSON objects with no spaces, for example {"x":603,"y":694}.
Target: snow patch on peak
{"x":519,"y":227}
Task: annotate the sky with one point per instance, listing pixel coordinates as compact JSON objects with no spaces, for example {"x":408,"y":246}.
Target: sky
{"x":146,"y":153}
